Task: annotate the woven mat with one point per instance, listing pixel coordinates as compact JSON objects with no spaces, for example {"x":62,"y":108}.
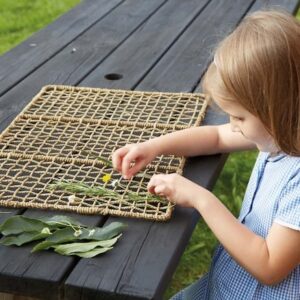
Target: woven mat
{"x":63,"y":130}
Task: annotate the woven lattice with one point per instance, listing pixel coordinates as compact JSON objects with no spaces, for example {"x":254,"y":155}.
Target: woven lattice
{"x":60,"y":134}
{"x":119,"y":105}
{"x":73,"y":139}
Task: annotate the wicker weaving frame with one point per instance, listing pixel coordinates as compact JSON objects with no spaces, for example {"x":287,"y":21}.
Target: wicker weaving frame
{"x":60,"y":132}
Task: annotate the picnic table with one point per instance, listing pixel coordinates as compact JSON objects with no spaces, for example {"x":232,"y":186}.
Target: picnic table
{"x":157,"y":45}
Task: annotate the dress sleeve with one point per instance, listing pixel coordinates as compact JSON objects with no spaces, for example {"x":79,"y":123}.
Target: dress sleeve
{"x":288,"y":212}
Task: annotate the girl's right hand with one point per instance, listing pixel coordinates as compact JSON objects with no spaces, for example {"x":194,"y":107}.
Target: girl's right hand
{"x":140,"y":155}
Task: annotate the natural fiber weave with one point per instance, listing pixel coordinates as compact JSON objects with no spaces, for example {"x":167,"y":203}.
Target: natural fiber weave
{"x":61,"y":132}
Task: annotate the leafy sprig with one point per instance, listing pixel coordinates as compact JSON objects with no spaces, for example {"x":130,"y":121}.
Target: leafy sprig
{"x":81,"y":188}
{"x":65,"y":235}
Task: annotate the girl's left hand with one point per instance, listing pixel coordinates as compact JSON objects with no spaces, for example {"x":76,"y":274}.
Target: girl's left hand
{"x":175,"y":188}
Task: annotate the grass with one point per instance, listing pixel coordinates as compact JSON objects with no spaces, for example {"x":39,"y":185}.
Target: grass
{"x":19,"y":19}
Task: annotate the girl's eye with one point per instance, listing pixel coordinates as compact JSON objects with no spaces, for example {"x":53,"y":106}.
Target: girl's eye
{"x":237,"y":118}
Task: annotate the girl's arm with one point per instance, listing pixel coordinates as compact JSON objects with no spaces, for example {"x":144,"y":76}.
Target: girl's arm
{"x":193,"y":141}
{"x":269,"y":260}
{"x":202,"y":140}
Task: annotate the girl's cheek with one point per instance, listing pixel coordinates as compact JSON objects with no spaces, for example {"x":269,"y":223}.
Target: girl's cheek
{"x":234,"y":127}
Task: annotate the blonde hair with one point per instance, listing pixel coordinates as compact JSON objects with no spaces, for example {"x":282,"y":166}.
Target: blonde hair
{"x":258,"y":66}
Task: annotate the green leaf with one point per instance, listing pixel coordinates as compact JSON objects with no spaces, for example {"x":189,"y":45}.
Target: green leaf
{"x":69,"y":249}
{"x":96,"y":233}
{"x":25,"y":229}
{"x":59,"y":236}
{"x":62,"y":236}
{"x":59,"y":221}
{"x":45,"y":245}
{"x":20,"y":224}
{"x":91,"y":253}
{"x":23,"y":238}
{"x":67,"y":235}
{"x":102,"y":233}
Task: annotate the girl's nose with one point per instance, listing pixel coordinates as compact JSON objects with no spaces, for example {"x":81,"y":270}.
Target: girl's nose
{"x":234,"y":127}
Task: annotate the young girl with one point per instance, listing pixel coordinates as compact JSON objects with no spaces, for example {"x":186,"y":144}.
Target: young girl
{"x":255,"y":79}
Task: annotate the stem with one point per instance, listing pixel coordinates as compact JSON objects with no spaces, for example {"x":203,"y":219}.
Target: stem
{"x":68,"y":224}
{"x":81,"y":188}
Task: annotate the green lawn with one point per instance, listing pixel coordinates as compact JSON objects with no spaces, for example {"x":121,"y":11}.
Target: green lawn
{"x":19,"y":19}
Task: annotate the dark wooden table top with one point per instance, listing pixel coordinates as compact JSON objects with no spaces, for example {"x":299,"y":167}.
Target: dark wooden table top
{"x":157,"y":45}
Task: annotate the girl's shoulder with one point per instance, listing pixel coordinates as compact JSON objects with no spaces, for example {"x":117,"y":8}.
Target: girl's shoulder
{"x":288,"y":210}
{"x":281,"y":160}
{"x":280,"y":168}
{"x":277,"y":180}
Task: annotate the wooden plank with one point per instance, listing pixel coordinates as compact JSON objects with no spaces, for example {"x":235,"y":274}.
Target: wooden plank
{"x":32,"y":53}
{"x":69,"y":67}
{"x":188,"y":59}
{"x":4,"y":296}
{"x":157,"y":255}
{"x":107,"y":269}
{"x":135,"y":57}
{"x":32,"y":274}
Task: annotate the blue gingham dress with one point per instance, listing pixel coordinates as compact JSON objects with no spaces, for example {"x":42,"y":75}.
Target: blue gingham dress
{"x":272,"y":195}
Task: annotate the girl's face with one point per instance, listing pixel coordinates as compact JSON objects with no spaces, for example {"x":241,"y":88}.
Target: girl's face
{"x":242,"y":121}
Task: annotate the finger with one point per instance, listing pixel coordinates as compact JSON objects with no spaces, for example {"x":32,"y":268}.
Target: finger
{"x":151,"y":185}
{"x":160,"y":190}
{"x":151,"y":189}
{"x":117,"y":158}
{"x":130,"y":157}
{"x":154,"y":181}
{"x":137,"y":167}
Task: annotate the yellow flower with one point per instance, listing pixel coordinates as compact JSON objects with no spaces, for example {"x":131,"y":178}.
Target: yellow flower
{"x":106,"y":178}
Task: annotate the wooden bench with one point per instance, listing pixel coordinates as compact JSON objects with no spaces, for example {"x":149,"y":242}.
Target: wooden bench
{"x":157,"y":45}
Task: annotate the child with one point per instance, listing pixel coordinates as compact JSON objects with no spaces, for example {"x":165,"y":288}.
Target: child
{"x":255,"y":78}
